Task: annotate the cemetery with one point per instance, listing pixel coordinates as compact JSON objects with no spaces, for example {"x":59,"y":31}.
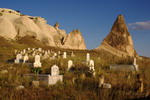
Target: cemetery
{"x":72,"y":71}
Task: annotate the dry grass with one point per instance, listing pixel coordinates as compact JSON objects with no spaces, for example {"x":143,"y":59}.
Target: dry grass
{"x":81,"y":89}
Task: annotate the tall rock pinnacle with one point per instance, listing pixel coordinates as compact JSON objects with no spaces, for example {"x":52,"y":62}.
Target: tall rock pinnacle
{"x":119,"y":40}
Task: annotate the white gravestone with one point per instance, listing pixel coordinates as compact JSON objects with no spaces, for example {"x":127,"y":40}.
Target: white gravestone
{"x":18,"y":58}
{"x":26,"y":58}
{"x":40,"y":49}
{"x":87,"y":58}
{"x":54,"y":70}
{"x":70,"y":64}
{"x":55,"y":54}
{"x":33,"y":49}
{"x":37,"y":62}
{"x":91,"y":65}
{"x":134,"y":61}
{"x":28,"y":49}
{"x":136,"y":66}
{"x":24,"y":51}
{"x":64,"y":55}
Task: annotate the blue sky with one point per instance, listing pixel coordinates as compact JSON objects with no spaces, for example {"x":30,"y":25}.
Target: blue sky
{"x":94,"y":18}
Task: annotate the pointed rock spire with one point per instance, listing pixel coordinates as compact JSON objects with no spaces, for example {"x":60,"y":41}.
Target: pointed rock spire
{"x":119,"y":40}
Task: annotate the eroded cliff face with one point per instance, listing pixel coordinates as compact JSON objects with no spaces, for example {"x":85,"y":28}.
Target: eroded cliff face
{"x":119,"y":40}
{"x":15,"y":25}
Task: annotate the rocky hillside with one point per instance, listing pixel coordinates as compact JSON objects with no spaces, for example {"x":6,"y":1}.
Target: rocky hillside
{"x":119,"y":40}
{"x":14,"y":26}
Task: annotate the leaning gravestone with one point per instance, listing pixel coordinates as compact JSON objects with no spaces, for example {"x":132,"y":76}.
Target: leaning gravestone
{"x":70,"y":64}
{"x":37,"y":62}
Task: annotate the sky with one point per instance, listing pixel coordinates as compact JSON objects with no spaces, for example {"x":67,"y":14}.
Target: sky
{"x":94,"y":18}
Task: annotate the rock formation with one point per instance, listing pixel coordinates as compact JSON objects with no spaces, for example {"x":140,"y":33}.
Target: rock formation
{"x":119,"y":41}
{"x":74,"y":40}
{"x":14,"y":25}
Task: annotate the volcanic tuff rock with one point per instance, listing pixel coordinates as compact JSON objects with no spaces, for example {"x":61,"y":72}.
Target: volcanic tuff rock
{"x":119,"y":40}
{"x":74,"y":40}
{"x":14,"y":25}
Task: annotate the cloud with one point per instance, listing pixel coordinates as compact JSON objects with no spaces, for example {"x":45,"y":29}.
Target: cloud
{"x":140,"y":25}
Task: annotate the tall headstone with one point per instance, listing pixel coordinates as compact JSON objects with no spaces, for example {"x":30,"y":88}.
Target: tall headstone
{"x":25,"y":58}
{"x":70,"y":64}
{"x":91,"y":65}
{"x":64,"y":55}
{"x":54,"y":70}
{"x":37,"y":62}
{"x":135,"y":65}
{"x":87,"y":57}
